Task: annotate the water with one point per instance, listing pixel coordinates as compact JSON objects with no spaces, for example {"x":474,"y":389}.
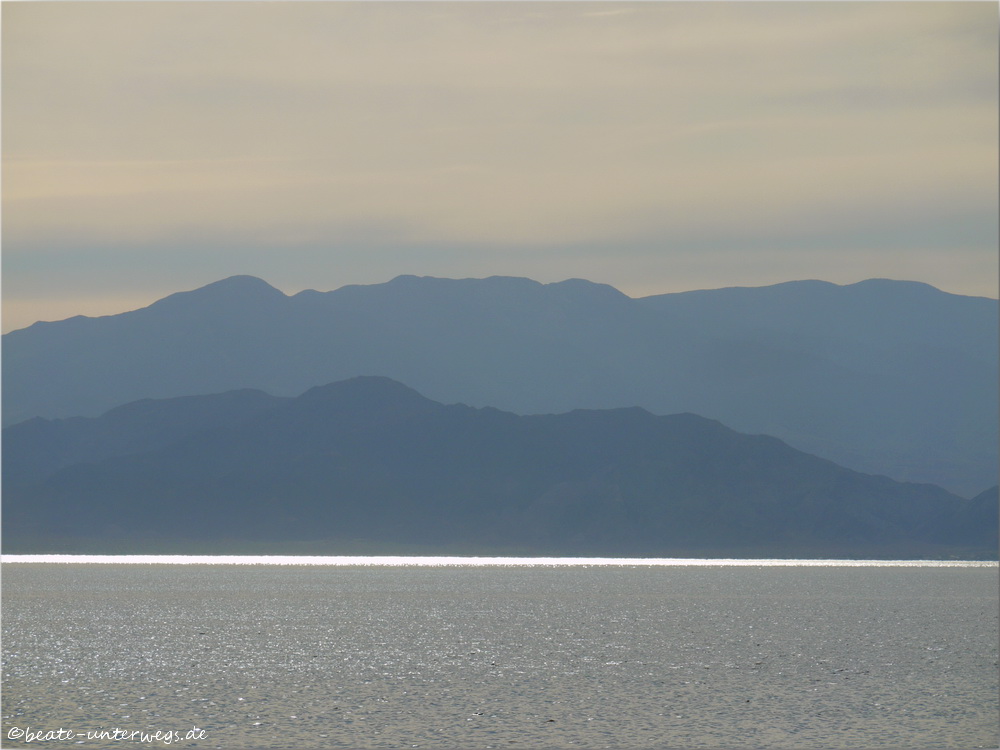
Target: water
{"x":734,"y":654}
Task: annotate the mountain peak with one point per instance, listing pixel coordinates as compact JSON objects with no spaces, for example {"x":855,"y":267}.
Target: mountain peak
{"x":240,"y":284}
{"x":374,"y":385}
{"x":913,"y":289}
{"x":249,"y":289}
{"x":409,"y":280}
{"x":583,"y":286}
{"x":368,"y":393}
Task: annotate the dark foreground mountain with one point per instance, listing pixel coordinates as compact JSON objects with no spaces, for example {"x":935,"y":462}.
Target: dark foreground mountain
{"x":371,"y":462}
{"x":893,"y":378}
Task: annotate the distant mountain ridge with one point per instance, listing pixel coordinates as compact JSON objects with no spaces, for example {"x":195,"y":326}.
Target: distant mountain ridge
{"x":888,"y":377}
{"x":370,"y":459}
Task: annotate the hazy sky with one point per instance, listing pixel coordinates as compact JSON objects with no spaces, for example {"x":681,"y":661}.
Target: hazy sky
{"x":656,"y":146}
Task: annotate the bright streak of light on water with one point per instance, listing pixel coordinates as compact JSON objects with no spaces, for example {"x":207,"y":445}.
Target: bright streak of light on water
{"x":458,"y":561}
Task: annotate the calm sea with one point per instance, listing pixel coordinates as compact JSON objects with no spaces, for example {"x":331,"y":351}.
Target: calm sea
{"x":502,"y":653}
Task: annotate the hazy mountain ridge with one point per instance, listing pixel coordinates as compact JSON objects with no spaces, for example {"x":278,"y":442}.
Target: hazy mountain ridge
{"x":371,"y":459}
{"x":882,"y":376}
{"x":37,"y":448}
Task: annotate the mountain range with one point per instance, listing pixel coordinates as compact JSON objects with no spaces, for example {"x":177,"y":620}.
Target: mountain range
{"x":369,"y":461}
{"x":884,"y":377}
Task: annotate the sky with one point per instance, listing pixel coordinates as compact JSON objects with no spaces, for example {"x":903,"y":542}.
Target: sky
{"x":155,"y":147}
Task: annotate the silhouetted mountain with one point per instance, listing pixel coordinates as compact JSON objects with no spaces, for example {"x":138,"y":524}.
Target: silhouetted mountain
{"x":39,"y":447}
{"x":982,"y":518}
{"x":370,"y":459}
{"x":895,"y":378}
{"x":884,"y":376}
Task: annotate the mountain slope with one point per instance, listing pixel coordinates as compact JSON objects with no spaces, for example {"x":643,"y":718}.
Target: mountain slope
{"x":369,"y":458}
{"x":885,"y":377}
{"x":922,"y":404}
{"x":37,"y":448}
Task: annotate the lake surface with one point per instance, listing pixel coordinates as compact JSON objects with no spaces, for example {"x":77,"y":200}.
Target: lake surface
{"x":391,"y":654}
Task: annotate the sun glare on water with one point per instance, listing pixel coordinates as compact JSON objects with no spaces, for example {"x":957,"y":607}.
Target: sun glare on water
{"x":457,"y":561}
